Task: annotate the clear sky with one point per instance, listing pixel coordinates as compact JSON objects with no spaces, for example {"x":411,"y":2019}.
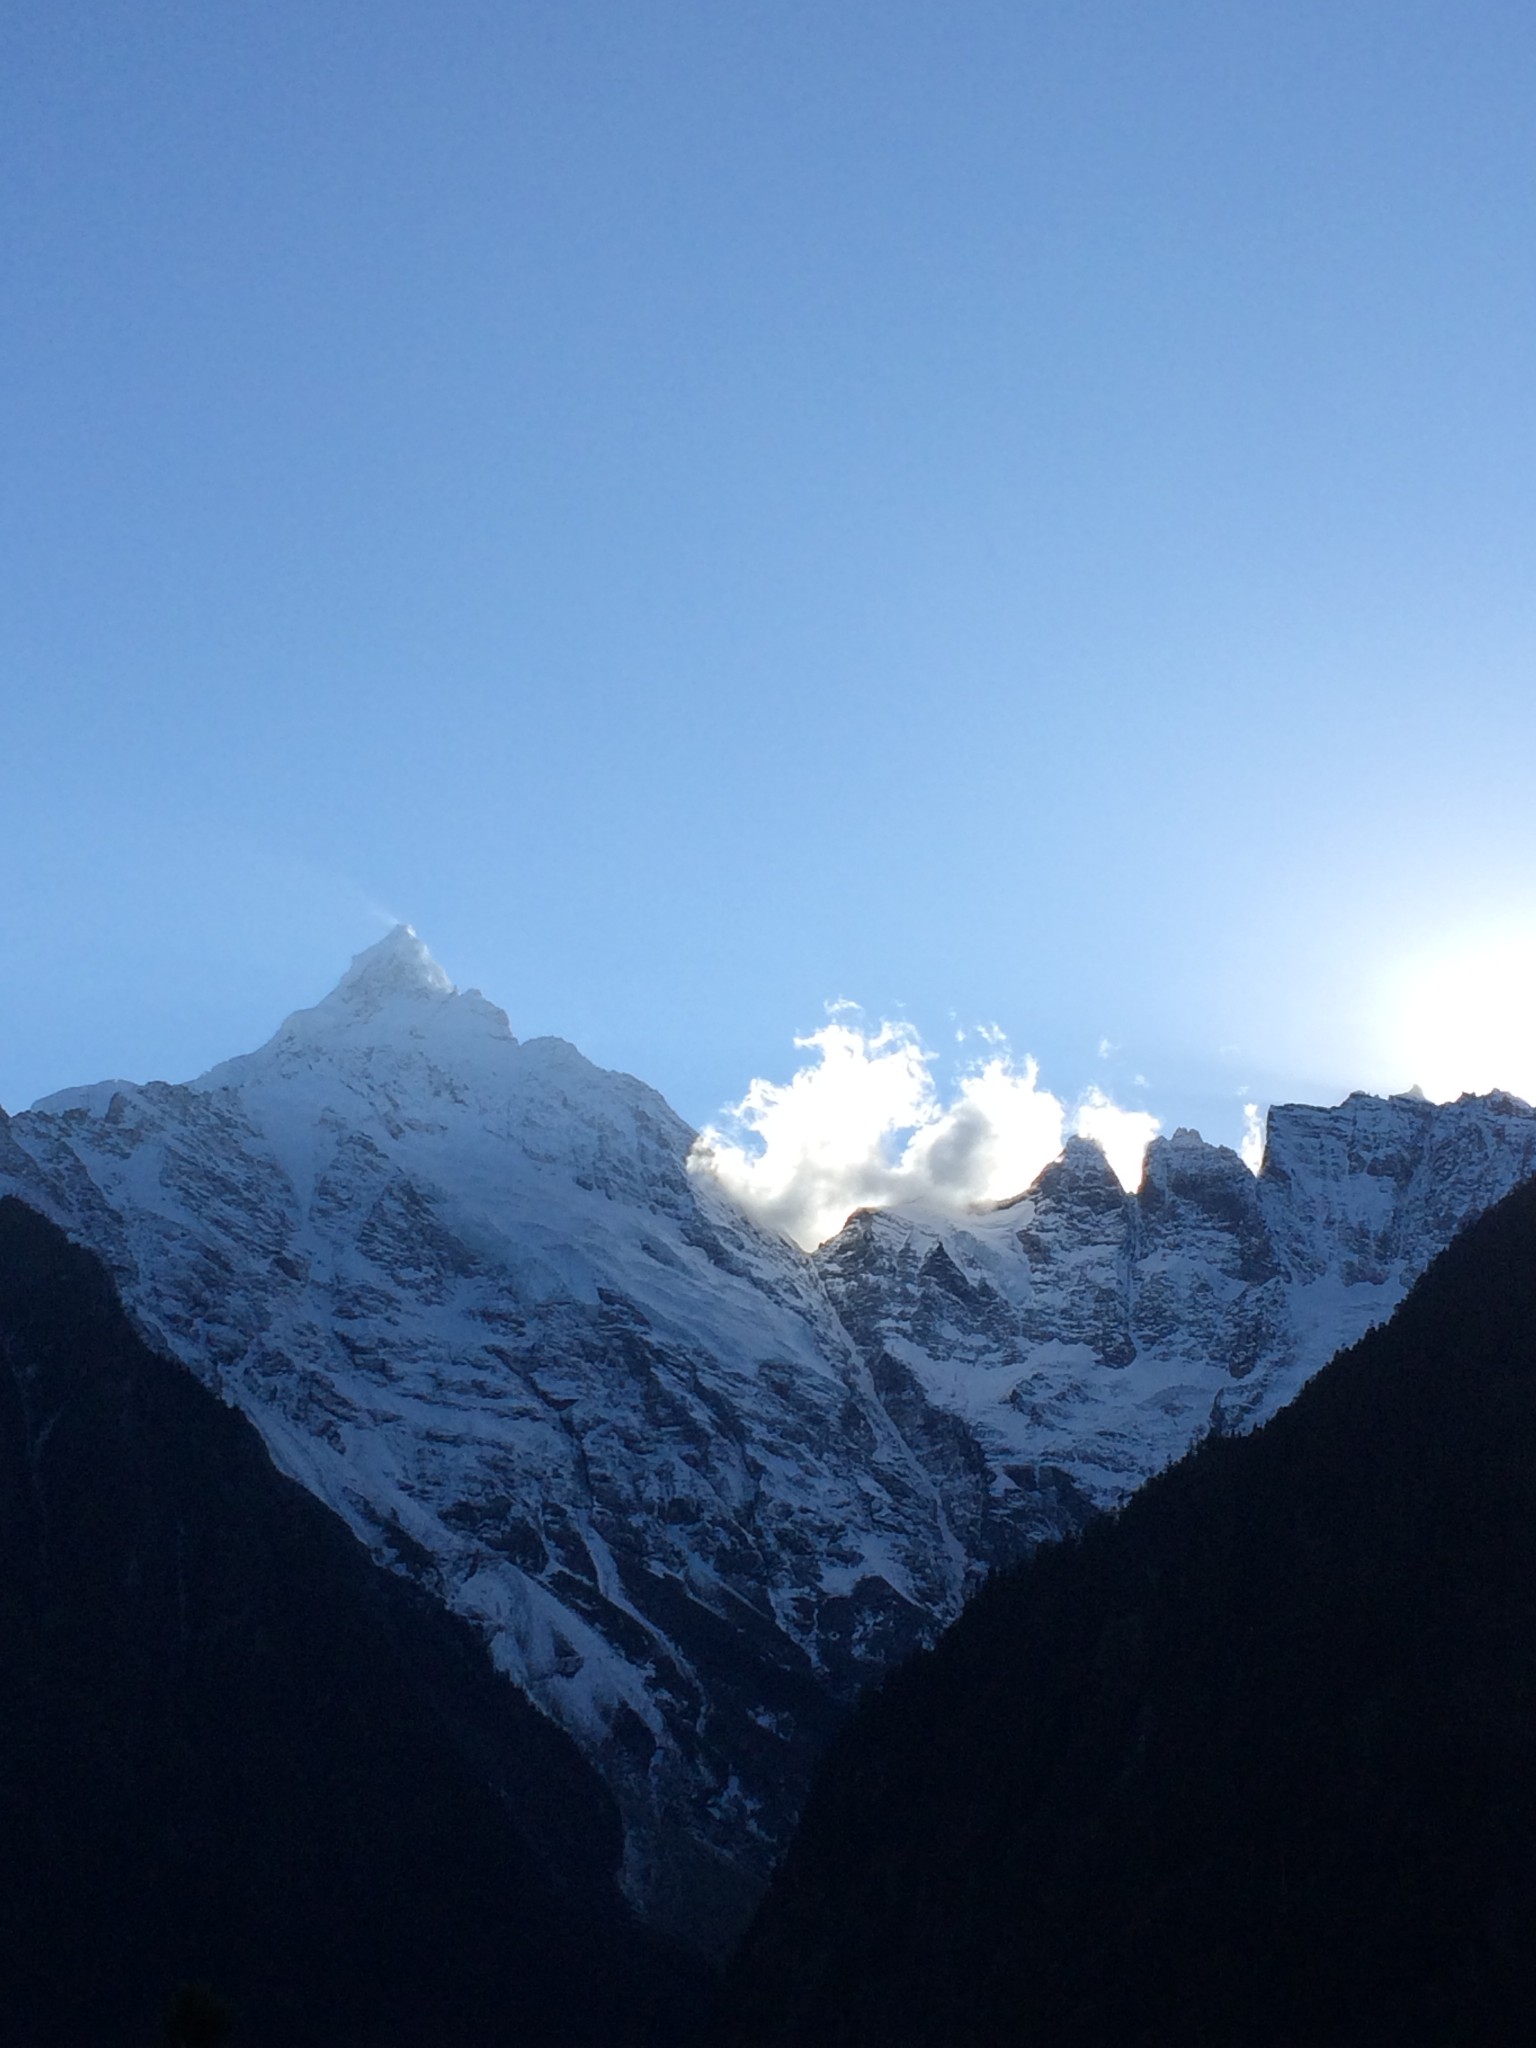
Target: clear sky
{"x":1014,"y":514}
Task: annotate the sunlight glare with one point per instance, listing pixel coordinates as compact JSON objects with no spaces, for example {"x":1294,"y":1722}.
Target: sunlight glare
{"x":1462,"y":1019}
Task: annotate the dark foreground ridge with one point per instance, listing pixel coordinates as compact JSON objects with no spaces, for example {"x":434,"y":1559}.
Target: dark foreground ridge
{"x":234,"y":1750}
{"x":1252,"y":1762}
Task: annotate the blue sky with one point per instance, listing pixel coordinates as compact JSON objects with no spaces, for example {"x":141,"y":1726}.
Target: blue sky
{"x":1014,"y":514}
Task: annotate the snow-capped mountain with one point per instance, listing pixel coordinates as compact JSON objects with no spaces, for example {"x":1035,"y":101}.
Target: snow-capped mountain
{"x":471,"y":1296}
{"x":694,"y":1485}
{"x":1089,"y":1335}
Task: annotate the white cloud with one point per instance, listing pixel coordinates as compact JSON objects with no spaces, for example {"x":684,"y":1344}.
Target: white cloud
{"x":1122,"y":1134}
{"x":800,"y":1155}
{"x":1252,"y":1147}
{"x":991,"y":1142}
{"x":861,"y":1125}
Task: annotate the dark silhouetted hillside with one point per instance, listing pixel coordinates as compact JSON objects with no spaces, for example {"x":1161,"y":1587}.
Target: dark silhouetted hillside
{"x":234,"y":1751}
{"x":1253,"y":1762}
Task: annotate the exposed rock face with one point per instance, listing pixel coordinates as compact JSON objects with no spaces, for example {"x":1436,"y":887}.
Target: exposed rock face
{"x":694,"y":1486}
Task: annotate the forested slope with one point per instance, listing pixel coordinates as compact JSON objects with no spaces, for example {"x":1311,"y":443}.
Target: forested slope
{"x":232,"y":1748}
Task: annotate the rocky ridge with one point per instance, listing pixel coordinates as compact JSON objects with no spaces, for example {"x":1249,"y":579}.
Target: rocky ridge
{"x":693,"y":1485}
{"x":1084,"y":1337}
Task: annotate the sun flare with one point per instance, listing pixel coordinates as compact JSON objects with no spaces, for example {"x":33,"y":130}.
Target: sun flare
{"x":1461,"y":1019}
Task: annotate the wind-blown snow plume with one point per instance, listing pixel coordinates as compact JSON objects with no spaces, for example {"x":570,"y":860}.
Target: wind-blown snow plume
{"x":861,"y":1125}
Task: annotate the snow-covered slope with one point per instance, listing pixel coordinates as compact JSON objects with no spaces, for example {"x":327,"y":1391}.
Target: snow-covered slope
{"x":694,"y":1485}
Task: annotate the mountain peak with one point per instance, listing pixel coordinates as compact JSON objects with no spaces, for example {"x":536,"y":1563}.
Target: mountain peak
{"x":398,"y":965}
{"x":394,"y":997}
